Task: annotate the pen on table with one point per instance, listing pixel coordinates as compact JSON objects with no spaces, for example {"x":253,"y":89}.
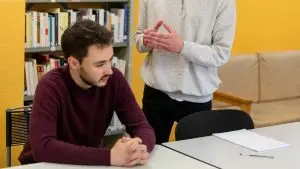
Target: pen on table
{"x":254,"y":155}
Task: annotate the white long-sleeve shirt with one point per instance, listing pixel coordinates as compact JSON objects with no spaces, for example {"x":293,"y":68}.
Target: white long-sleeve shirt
{"x":207,"y":28}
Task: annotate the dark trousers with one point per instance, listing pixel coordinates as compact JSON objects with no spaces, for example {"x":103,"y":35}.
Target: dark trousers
{"x":161,"y":111}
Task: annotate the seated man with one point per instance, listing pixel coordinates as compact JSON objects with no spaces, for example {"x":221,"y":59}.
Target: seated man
{"x":74,"y":104}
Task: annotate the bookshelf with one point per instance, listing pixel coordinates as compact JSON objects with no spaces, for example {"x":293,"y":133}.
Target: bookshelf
{"x":36,"y":43}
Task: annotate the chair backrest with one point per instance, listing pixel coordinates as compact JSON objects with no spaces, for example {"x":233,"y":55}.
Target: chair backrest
{"x":278,"y":75}
{"x":17,"y":128}
{"x":206,"y":123}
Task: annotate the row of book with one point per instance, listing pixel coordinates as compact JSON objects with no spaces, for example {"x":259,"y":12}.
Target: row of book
{"x":37,"y":66}
{"x":45,"y":28}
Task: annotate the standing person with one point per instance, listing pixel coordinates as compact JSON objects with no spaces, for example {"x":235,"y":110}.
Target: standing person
{"x":186,"y":42}
{"x":74,"y":104}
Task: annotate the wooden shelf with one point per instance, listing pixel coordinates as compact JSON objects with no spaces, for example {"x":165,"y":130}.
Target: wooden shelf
{"x":58,"y":48}
{"x":42,"y":49}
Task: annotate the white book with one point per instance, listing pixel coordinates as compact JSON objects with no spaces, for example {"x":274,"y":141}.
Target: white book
{"x":42,"y":30}
{"x":31,"y":77}
{"x":115,"y":27}
{"x":89,"y":11}
{"x":28,"y":30}
{"x":52,"y":63}
{"x":45,"y":24}
{"x":73,"y":17}
{"x":85,"y":17}
{"x":34,"y":29}
{"x":70,"y":16}
{"x":26,"y":41}
{"x":63,"y":21}
{"x":121,"y":14}
{"x":92,"y":17}
{"x":101,"y":17}
{"x":115,"y":62}
{"x":47,"y":30}
{"x":66,"y":21}
{"x":122,"y":65}
{"x":107,"y":21}
{"x":27,"y":72}
{"x":35,"y":77}
{"x":53,"y":31}
{"x":60,"y":26}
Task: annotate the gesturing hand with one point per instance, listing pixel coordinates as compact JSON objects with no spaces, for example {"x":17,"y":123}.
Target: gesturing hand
{"x":149,"y":30}
{"x":170,"y":41}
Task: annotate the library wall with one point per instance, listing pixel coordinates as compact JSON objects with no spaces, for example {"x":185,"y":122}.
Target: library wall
{"x":11,"y":64}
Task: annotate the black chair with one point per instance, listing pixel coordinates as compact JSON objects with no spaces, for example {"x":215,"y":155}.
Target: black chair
{"x":206,"y":123}
{"x":17,"y":128}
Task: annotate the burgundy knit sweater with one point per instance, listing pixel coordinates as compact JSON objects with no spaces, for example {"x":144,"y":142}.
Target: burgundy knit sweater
{"x":68,"y":122}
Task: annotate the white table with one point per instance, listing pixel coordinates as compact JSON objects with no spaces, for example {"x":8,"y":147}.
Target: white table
{"x":226,"y":155}
{"x":161,"y":158}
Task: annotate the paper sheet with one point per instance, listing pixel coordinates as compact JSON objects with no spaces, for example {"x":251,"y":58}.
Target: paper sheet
{"x":251,"y":140}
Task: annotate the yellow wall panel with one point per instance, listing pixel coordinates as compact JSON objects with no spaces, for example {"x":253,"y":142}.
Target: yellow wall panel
{"x":12,"y":14}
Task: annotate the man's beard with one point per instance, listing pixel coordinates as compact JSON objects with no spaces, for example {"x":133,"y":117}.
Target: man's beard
{"x":86,"y":79}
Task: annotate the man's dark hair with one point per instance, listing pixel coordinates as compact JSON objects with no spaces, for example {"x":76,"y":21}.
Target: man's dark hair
{"x":82,"y":34}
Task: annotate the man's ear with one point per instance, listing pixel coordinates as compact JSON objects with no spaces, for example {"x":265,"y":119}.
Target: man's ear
{"x":73,"y":63}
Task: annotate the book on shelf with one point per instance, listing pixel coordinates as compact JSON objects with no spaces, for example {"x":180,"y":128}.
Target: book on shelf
{"x":119,"y":64}
{"x":45,"y":28}
{"x":37,"y":66}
